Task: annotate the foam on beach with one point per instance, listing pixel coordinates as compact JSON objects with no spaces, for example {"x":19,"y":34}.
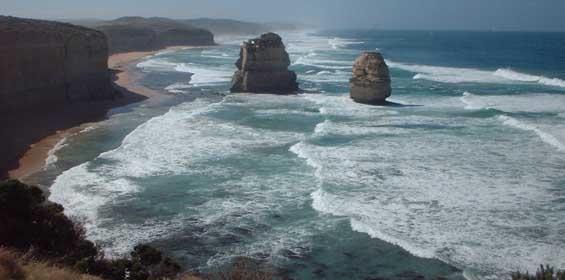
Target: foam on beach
{"x":52,"y":154}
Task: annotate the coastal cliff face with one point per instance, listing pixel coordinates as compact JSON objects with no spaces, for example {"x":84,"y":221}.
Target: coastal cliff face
{"x":48,"y":63}
{"x":263,"y":67}
{"x":371,"y":82}
{"x":53,"y":76}
{"x":147,"y":34}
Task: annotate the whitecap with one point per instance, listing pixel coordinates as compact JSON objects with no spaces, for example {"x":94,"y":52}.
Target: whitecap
{"x":517,"y":76}
{"x":469,"y":75}
{"x":516,"y":103}
{"x":338,"y":43}
{"x":543,"y":135}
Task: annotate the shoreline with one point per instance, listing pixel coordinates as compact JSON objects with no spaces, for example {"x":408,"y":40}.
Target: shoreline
{"x":35,"y":159}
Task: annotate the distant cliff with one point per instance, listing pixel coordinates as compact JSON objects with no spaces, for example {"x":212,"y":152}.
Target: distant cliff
{"x":47,"y":63}
{"x":147,"y":34}
{"x":228,"y":26}
{"x":236,"y":27}
{"x":142,"y":28}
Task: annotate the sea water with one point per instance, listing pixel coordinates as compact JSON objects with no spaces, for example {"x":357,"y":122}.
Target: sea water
{"x":464,"y":177}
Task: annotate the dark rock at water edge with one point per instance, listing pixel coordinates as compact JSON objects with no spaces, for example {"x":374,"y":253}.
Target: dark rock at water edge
{"x":263,"y":67}
{"x":371,"y":83}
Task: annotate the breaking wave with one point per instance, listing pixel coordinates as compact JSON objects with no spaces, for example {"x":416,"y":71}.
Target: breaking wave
{"x":544,"y":136}
{"x":469,"y":75}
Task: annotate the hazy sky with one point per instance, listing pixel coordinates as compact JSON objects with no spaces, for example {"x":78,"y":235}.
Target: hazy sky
{"x":385,"y":14}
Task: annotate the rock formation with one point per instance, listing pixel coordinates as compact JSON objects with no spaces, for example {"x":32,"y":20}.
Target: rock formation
{"x":129,"y":34}
{"x":49,"y":63}
{"x":53,"y":76}
{"x":370,"y":83}
{"x":263,"y":67}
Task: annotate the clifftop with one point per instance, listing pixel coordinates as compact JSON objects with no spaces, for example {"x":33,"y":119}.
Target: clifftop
{"x":12,"y":30}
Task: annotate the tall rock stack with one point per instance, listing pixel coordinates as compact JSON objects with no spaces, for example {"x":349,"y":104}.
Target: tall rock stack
{"x":370,"y":83}
{"x":263,"y":67}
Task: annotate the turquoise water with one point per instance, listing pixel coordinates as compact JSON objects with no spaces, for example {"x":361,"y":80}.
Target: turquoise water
{"x":463,"y":178}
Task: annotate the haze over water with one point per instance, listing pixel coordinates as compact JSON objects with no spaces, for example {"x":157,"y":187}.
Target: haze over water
{"x":465,"y":172}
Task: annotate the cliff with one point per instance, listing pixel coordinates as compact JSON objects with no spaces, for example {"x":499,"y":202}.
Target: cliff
{"x":228,"y":26}
{"x":46,"y":63}
{"x":263,"y":67}
{"x":147,"y":34}
{"x":53,"y":76}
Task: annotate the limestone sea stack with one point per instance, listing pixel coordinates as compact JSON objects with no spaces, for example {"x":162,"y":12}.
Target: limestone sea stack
{"x":263,"y":67}
{"x":370,"y":83}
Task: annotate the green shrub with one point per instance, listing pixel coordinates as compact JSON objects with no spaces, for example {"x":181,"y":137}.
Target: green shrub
{"x":31,"y":223}
{"x":543,"y":273}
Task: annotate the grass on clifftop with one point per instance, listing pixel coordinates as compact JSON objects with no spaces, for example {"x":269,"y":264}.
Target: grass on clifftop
{"x":16,"y":267}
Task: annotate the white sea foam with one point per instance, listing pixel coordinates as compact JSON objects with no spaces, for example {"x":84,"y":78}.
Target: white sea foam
{"x":205,"y":75}
{"x":409,"y":187}
{"x":446,"y":211}
{"x":517,"y":76}
{"x":531,"y":102}
{"x":469,"y":75}
{"x":326,"y":76}
{"x":178,"y":87}
{"x":328,"y":203}
{"x":88,"y":129}
{"x":342,"y":105}
{"x":157,"y":64}
{"x":181,"y":142}
{"x":338,"y":43}
{"x":52,"y":154}
{"x":323,"y":63}
{"x":544,"y":136}
{"x":353,"y":129}
{"x":449,"y":74}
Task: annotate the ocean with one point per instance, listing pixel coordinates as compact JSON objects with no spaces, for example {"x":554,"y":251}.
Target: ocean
{"x":463,"y":178}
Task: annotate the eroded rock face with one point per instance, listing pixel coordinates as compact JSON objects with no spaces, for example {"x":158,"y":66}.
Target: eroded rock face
{"x":263,"y":67}
{"x":371,"y":82}
{"x":46,"y":63}
{"x":130,"y":34}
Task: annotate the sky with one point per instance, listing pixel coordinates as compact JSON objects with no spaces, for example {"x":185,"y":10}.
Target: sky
{"x":525,"y":15}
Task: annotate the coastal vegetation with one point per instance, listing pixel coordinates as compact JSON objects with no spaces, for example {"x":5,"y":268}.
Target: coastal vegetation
{"x":37,"y":241}
{"x":543,"y":273}
{"x":38,"y":228}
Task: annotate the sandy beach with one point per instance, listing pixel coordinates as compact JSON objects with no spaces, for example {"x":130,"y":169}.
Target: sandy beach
{"x":125,"y":79}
